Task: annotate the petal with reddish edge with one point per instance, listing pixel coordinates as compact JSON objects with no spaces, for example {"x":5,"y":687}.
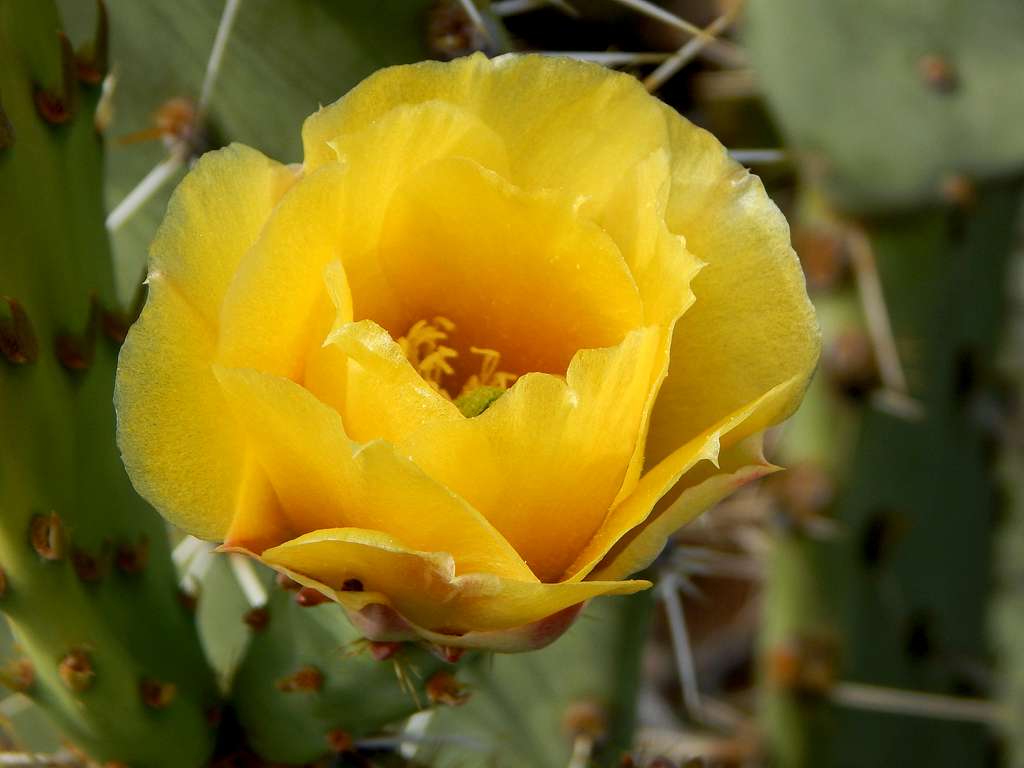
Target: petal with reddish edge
{"x":422,"y":587}
{"x":324,"y":480}
{"x":377,"y":621}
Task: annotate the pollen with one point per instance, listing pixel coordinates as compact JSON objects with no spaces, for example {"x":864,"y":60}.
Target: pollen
{"x":427,"y":345}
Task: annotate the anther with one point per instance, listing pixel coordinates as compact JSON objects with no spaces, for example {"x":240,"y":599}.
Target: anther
{"x":423,"y":346}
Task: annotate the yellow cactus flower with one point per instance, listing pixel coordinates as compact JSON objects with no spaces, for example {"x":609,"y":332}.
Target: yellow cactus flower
{"x":509,"y":325}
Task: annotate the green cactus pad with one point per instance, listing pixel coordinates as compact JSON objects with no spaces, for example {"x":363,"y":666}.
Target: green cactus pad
{"x":891,"y":100}
{"x":90,"y":593}
{"x":309,"y":680}
{"x":525,"y":710}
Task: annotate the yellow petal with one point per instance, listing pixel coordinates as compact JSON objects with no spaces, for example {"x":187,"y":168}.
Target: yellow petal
{"x":661,"y":265}
{"x":385,"y":397}
{"x":183,"y":452}
{"x":752,"y":325}
{"x":213,"y":217}
{"x":545,"y":461}
{"x":536,"y":104}
{"x":326,"y":368}
{"x":324,"y":480}
{"x":423,"y":586}
{"x":379,"y":158}
{"x":277,"y":307}
{"x":258,"y":521}
{"x":420,"y":133}
{"x":518,"y":272}
{"x":180,"y":445}
{"x":274,"y":310}
{"x":659,"y":481}
{"x":657,"y":258}
{"x":741,"y":464}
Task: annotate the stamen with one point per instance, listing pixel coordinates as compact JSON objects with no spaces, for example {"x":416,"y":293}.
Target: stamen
{"x":424,"y":347}
{"x":489,"y":375}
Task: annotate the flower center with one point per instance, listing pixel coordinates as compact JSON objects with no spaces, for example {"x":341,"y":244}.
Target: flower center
{"x":427,"y":345}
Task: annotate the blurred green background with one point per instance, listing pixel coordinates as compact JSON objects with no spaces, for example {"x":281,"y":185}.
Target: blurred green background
{"x":864,"y":608}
